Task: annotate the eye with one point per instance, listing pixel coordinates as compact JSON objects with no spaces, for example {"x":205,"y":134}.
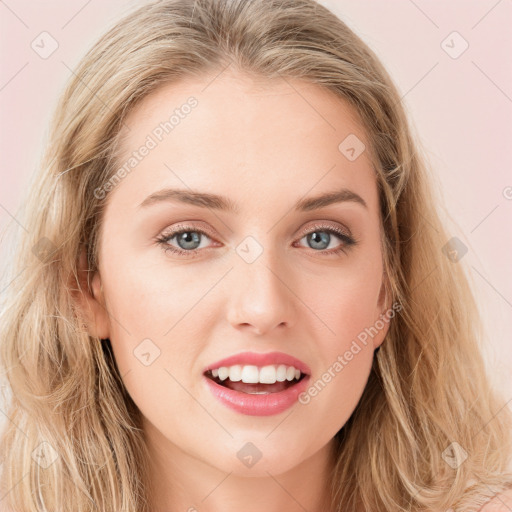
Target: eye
{"x":320,"y":237}
{"x":188,"y":239}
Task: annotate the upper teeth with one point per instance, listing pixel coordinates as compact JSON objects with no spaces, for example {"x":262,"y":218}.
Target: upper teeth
{"x":252,"y":374}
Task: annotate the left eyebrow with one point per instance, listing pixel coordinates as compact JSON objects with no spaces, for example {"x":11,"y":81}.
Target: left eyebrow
{"x":216,"y":202}
{"x":326,"y":199}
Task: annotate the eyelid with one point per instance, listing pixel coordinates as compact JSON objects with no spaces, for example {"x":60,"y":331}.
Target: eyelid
{"x":202,"y":227}
{"x":188,"y":226}
{"x":326,"y":225}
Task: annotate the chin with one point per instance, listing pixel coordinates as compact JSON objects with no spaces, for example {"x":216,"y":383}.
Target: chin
{"x":255,"y":459}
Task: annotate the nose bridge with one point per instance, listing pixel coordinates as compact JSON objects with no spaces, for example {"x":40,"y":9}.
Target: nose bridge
{"x":260,"y":294}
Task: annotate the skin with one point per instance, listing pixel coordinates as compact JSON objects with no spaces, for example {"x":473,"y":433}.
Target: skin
{"x":264,"y":145}
{"x":501,"y":503}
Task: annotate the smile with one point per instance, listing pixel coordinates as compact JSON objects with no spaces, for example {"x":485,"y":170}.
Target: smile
{"x":257,"y":390}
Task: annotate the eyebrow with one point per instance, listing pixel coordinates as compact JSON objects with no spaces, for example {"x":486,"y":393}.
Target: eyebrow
{"x":216,"y":202}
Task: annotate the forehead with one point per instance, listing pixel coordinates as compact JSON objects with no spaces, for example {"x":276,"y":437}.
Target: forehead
{"x":230,"y":100}
{"x":259,"y":134}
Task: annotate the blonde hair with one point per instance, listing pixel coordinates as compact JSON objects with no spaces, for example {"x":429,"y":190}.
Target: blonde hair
{"x":428,"y":386}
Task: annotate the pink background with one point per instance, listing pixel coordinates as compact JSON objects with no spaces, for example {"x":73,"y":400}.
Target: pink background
{"x":461,"y":109}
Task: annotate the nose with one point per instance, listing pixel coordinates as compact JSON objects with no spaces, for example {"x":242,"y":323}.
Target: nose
{"x":262,"y":297}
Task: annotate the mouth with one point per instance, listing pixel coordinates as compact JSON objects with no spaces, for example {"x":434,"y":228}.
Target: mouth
{"x":255,"y":380}
{"x":257,"y":384}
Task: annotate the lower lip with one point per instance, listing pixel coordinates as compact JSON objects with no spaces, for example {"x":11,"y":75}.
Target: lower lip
{"x":257,"y":405}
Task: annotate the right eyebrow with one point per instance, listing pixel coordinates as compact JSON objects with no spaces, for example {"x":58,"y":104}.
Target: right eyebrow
{"x":202,"y":199}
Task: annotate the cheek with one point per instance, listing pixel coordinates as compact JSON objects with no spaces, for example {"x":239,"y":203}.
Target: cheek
{"x":346,"y":300}
{"x":347,"y":304}
{"x":151,"y":336}
{"x":158,"y":336}
{"x":149,"y":300}
{"x":345,"y":349}
{"x":141,"y":312}
{"x":157,"y":319}
{"x":333,"y":395}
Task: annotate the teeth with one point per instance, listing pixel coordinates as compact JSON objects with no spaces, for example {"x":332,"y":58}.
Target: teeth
{"x":281,"y":373}
{"x":223,"y":373}
{"x":251,"y":374}
{"x":235,"y":373}
{"x":268,"y":375}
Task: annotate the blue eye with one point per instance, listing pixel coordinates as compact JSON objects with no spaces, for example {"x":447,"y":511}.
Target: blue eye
{"x":189,"y":240}
{"x":185,"y":238}
{"x":321,"y":235}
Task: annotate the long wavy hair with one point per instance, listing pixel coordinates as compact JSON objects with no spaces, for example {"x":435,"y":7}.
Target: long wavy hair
{"x":430,"y":431}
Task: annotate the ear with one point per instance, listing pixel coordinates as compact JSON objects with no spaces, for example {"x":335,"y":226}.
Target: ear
{"x":90,"y":300}
{"x":383,"y":311}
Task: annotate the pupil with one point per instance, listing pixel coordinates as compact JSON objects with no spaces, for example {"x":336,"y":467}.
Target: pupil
{"x":189,"y":237}
{"x":323,"y":238}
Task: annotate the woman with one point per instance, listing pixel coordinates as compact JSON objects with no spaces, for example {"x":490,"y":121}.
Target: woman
{"x":238,"y":292}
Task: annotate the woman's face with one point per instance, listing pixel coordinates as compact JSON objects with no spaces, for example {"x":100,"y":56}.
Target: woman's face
{"x":264,"y":270}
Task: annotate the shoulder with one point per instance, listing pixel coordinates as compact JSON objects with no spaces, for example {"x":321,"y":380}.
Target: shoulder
{"x":500,"y":503}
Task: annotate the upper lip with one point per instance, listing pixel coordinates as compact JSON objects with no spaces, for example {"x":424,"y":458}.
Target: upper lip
{"x":261,"y":359}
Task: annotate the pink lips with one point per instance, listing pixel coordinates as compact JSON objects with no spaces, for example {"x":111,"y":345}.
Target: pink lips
{"x":264,"y":404}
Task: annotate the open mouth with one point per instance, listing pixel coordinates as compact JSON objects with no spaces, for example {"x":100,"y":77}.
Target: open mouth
{"x":254,"y":388}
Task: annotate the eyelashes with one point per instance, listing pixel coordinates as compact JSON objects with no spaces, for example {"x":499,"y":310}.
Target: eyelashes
{"x":347,"y":241}
{"x":164,"y":241}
